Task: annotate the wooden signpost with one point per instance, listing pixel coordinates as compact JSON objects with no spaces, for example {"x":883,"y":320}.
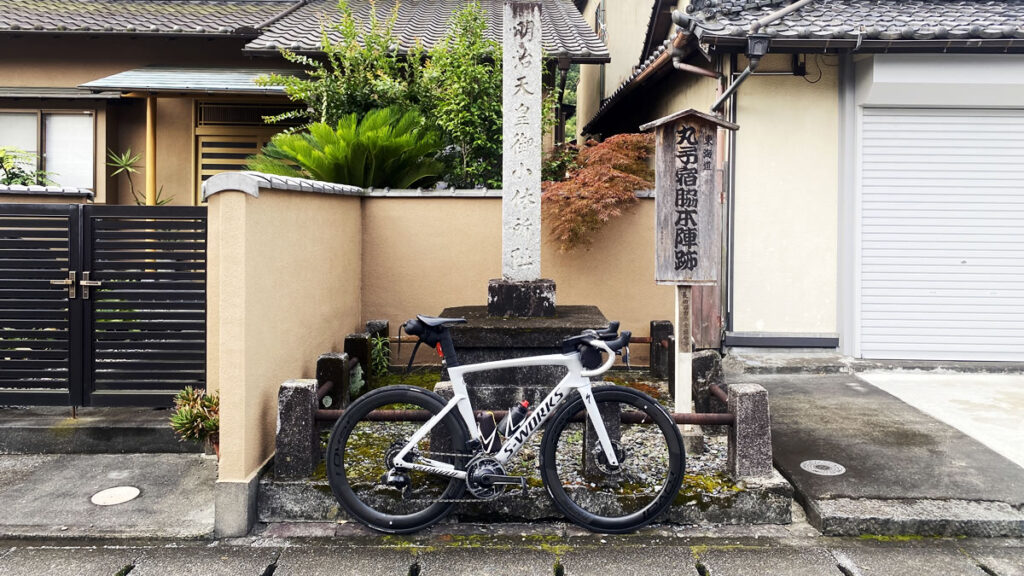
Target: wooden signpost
{"x":688,"y":215}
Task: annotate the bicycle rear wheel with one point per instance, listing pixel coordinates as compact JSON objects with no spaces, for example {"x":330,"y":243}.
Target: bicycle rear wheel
{"x":605,"y":498}
{"x":360,"y":453}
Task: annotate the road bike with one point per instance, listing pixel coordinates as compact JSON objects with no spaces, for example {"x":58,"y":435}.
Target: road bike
{"x":610,"y":457}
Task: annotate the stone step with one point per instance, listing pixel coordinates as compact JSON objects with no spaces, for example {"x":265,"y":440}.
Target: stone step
{"x":765,"y":501}
{"x":52,"y":430}
{"x":867,"y":516}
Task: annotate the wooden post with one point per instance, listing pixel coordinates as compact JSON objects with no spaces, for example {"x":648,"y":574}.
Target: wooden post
{"x":688,"y":223}
{"x":683,"y":384}
{"x":151,"y":151}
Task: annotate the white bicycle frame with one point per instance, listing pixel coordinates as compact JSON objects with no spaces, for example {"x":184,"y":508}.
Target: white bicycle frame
{"x":577,"y":379}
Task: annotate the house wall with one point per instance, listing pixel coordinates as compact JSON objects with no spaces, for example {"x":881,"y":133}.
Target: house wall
{"x":37,"y":61}
{"x":588,"y":90}
{"x":421,"y":255}
{"x":284,"y":280}
{"x":786,"y":200}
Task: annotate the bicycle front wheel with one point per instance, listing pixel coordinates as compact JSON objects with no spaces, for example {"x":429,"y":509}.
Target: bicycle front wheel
{"x":597,"y":495}
{"x":361,"y":452}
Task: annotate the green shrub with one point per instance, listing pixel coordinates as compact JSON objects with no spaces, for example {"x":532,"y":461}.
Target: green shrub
{"x":14,"y":169}
{"x":196,"y":415}
{"x":386,"y":148}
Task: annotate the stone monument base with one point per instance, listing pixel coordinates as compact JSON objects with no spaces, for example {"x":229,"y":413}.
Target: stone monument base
{"x":529,"y":299}
{"x":485,"y":338}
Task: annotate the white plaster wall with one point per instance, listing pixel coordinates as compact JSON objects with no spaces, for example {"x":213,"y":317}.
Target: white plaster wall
{"x":786,"y":233}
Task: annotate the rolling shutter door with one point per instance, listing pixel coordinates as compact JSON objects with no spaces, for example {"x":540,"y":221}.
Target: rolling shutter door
{"x":942,"y":237}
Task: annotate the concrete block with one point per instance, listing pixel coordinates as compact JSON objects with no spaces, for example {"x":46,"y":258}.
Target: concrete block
{"x":333,"y":367}
{"x":298,"y":443}
{"x":535,"y":298}
{"x":750,"y":436}
{"x":661,"y":354}
{"x":235,"y":507}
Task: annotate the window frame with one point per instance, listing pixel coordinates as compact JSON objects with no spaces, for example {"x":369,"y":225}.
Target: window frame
{"x":41,"y":136}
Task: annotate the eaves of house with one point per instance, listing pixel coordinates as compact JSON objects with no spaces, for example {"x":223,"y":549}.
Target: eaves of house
{"x":270,"y":25}
{"x":861,"y":26}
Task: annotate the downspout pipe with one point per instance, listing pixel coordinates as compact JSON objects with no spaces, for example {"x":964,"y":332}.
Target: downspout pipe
{"x":755,"y":52}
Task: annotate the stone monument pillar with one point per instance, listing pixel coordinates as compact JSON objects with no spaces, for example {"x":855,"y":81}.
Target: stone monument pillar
{"x":521,"y":291}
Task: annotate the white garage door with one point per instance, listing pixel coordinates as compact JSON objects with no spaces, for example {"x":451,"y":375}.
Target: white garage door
{"x":942,"y":237}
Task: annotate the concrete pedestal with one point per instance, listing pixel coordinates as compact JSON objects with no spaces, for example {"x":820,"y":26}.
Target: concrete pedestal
{"x":486,"y":338}
{"x":521,"y":299}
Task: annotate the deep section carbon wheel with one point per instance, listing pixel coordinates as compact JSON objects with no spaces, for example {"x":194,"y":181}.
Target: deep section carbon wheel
{"x":596,"y":494}
{"x":361,"y":452}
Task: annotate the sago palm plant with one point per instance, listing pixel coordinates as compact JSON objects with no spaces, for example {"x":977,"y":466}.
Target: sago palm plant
{"x":386,"y":148}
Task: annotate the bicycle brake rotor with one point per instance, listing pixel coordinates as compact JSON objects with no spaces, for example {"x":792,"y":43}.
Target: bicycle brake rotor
{"x":602,"y":461}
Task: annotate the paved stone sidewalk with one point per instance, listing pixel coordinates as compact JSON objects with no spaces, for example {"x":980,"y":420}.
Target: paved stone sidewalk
{"x":524,"y":550}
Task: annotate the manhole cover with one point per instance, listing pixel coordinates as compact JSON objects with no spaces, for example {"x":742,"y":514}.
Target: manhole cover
{"x":822,"y":467}
{"x":115,"y":495}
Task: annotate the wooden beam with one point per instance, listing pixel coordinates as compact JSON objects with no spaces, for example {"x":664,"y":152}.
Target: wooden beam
{"x":151,"y":151}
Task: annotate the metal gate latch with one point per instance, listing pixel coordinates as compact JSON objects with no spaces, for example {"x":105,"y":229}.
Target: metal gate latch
{"x":86,"y":283}
{"x":69,"y":282}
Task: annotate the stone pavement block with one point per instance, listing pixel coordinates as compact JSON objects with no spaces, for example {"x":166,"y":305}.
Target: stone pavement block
{"x":850,"y":517}
{"x":883,"y":560}
{"x":1000,"y":560}
{"x":205,"y":561}
{"x":344,"y":561}
{"x":51,"y":496}
{"x":726,"y":560}
{"x":471,"y":561}
{"x":629,"y":561}
{"x":86,"y":561}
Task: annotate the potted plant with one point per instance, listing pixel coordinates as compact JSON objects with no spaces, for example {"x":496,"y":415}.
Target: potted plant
{"x":197,"y":417}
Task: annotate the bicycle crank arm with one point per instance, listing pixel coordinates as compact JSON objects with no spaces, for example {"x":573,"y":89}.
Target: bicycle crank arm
{"x":492,"y":479}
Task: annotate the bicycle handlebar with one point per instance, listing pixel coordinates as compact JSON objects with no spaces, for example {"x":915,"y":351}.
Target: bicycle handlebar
{"x":599,"y":344}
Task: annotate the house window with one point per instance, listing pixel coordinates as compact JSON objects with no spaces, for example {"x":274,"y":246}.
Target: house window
{"x":62,"y":142}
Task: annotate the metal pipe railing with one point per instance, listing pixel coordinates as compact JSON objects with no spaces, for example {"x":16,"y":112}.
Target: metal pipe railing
{"x":702,"y":419}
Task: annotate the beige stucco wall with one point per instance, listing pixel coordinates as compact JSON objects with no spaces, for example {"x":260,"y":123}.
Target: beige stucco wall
{"x":421,"y":255}
{"x":588,"y":90}
{"x":786,"y":226}
{"x":284,"y":284}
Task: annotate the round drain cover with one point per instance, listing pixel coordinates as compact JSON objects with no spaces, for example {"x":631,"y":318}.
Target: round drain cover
{"x":822,"y":467}
{"x":115,"y":495}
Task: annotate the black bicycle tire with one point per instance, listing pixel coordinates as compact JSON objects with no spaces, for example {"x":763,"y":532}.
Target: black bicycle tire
{"x":639,"y":518}
{"x":347,"y":497}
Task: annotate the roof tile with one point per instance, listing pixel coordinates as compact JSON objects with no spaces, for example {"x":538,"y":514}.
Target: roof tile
{"x":178,"y":17}
{"x":564,"y":31}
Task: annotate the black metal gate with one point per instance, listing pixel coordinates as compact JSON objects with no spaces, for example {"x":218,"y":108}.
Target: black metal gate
{"x":101,"y":305}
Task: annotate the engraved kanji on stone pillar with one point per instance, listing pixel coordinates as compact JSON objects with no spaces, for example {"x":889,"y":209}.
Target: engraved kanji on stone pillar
{"x":521,"y":88}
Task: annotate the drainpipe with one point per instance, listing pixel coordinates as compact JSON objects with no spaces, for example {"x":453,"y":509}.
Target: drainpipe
{"x":757,"y":47}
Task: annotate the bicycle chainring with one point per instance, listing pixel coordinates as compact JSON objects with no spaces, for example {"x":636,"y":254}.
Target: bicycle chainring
{"x":475,"y":471}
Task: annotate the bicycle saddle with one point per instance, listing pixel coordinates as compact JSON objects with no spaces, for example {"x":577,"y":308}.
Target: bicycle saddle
{"x":434,"y":321}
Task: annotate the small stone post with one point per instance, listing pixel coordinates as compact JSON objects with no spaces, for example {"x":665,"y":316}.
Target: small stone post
{"x":298,"y":442}
{"x":661,"y":330}
{"x":750,"y":436}
{"x":332,"y":367}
